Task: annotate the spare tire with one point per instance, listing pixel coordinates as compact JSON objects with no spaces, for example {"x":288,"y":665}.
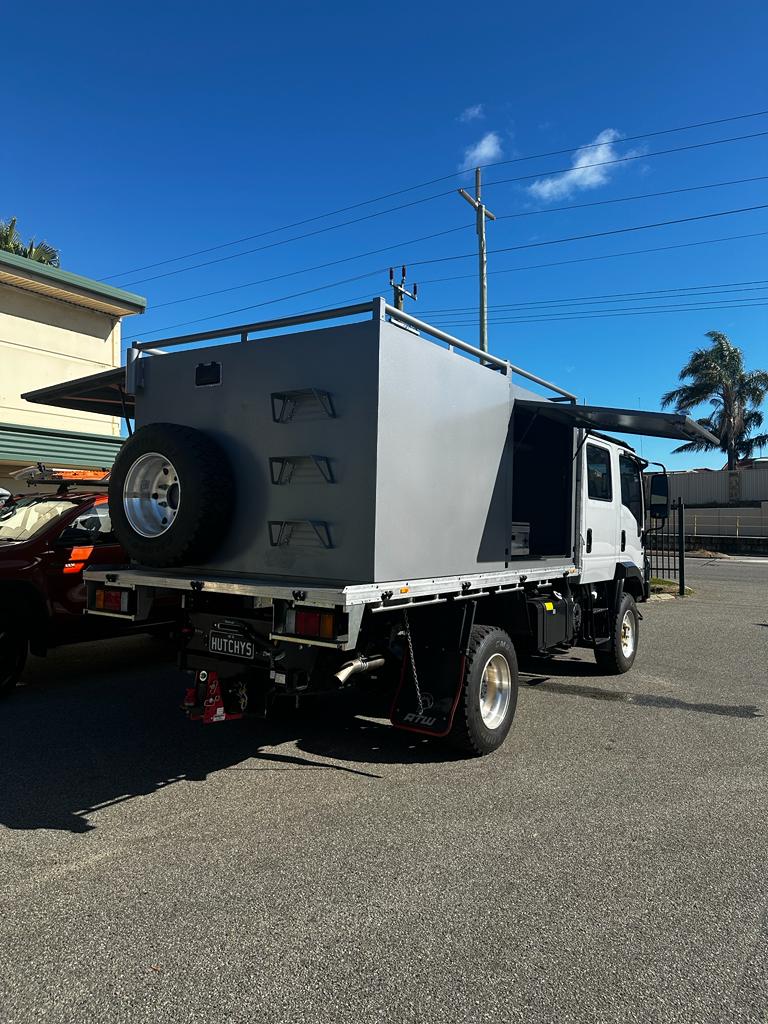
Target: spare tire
{"x":171,"y":495}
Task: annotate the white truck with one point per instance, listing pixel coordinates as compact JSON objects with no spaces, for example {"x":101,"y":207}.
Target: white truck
{"x":359,"y":494}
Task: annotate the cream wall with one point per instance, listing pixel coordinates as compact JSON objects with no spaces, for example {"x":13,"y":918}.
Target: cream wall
{"x":46,"y":341}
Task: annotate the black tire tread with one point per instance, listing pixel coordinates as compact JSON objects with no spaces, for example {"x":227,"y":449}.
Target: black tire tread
{"x":612,"y":661}
{"x":461,"y":735}
{"x":210,"y":466}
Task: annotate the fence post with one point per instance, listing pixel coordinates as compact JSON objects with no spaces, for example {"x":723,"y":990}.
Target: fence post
{"x":681,"y":545}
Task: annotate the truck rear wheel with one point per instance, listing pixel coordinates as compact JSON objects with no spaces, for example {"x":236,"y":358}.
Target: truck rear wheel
{"x":170,"y":495}
{"x":619,"y":656}
{"x":13,"y":652}
{"x":488,"y":700}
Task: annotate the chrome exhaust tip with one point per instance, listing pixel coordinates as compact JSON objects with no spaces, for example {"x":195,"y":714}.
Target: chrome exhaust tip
{"x":357,"y":665}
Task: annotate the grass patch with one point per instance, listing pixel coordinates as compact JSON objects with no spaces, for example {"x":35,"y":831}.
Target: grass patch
{"x":661,"y":586}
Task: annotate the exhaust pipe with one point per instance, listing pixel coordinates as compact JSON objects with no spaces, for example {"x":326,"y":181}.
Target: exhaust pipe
{"x":359,"y":664}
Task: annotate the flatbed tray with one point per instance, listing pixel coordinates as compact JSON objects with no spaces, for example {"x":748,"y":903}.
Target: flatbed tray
{"x":378,"y":596}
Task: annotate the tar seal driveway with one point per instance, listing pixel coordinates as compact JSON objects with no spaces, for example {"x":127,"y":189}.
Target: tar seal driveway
{"x":608,"y":864}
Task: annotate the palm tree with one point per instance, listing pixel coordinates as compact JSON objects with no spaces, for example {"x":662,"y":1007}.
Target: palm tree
{"x":39,"y":252}
{"x":717,"y":376}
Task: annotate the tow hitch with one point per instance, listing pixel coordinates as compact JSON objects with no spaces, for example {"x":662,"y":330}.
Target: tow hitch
{"x":211,"y":701}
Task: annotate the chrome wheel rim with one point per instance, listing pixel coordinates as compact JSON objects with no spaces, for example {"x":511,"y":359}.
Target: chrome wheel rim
{"x":628,"y":634}
{"x":495,"y":691}
{"x":151,"y":495}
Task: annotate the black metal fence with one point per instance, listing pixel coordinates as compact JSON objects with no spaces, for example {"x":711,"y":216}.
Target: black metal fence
{"x":665,"y":545}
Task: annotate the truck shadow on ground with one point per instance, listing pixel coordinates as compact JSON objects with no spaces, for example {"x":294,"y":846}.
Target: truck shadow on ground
{"x":99,"y":725}
{"x":541,"y":675}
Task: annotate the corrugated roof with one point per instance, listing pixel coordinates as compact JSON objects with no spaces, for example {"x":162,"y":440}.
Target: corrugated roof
{"x":38,"y":444}
{"x":20,"y":272}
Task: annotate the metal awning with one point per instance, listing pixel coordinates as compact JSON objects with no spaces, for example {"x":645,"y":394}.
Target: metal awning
{"x":623,"y":421}
{"x":101,"y":392}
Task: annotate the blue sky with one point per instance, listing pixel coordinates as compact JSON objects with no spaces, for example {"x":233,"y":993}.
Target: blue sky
{"x":141,"y":133}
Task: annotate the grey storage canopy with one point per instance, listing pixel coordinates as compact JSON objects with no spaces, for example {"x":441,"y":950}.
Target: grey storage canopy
{"x":105,"y":393}
{"x":623,"y":421}
{"x":101,"y":392}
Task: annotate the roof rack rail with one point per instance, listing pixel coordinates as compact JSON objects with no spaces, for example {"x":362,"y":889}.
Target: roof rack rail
{"x":377,"y":308}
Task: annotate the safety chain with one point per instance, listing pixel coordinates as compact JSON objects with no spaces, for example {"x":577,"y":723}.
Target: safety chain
{"x":413,"y":662}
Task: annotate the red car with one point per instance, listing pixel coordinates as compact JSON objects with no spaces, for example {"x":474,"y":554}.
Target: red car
{"x":46,"y":540}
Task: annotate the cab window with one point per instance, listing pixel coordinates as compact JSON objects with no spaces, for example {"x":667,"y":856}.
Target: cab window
{"x":631,"y":487}
{"x":599,"y":484}
{"x":93,"y":526}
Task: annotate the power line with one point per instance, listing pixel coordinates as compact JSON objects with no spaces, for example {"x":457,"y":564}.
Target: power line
{"x":607,"y":256}
{"x":598,"y":314}
{"x":734,"y":287}
{"x":425,"y":184}
{"x":439,"y":195}
{"x":309,"y":270}
{"x":597,"y":234}
{"x":629,"y":199}
{"x":259,"y":305}
{"x":436,"y":234}
{"x":460,"y":277}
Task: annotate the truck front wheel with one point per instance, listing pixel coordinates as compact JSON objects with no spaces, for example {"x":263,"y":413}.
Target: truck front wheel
{"x":488,"y":699}
{"x":13,"y":652}
{"x":618,"y":655}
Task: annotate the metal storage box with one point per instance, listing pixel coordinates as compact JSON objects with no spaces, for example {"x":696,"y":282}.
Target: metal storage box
{"x":361,"y":452}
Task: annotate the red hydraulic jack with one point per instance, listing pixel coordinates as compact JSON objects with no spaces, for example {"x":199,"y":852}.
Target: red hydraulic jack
{"x":212,"y":709}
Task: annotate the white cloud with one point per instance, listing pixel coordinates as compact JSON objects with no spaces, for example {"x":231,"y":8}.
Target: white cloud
{"x":582,"y":175}
{"x":474,"y":113}
{"x":485,"y":151}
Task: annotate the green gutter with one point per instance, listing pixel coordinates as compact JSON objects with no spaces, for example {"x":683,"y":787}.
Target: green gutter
{"x":63,"y":278}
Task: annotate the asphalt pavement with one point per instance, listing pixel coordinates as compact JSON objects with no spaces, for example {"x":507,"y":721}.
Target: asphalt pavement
{"x":609,"y":864}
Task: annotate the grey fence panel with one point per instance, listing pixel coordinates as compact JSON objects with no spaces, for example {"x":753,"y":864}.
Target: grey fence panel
{"x":754,"y":485}
{"x":727,"y":522}
{"x":699,"y":488}
{"x":720,"y":487}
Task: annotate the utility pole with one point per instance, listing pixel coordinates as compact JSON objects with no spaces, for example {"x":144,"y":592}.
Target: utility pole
{"x":481,"y":214}
{"x":399,"y":290}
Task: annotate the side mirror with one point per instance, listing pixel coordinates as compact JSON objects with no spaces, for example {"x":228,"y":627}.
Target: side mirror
{"x":658,"y":498}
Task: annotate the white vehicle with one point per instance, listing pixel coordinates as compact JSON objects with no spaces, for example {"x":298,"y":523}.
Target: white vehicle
{"x":363,"y":499}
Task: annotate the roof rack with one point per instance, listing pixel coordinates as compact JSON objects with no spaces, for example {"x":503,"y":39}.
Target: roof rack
{"x":62,"y":477}
{"x":377,"y":308}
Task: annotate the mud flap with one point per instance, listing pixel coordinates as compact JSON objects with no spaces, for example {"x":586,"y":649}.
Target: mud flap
{"x":441,"y":680}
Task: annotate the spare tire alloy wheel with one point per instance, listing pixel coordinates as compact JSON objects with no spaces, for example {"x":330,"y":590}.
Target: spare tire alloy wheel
{"x":171,"y":495}
{"x":151,"y":494}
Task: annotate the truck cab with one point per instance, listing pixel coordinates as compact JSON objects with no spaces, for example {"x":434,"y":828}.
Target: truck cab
{"x":614,"y":512}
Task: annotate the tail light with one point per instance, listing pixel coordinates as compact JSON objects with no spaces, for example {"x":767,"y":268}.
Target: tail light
{"x":111,"y":600}
{"x":317,"y":622}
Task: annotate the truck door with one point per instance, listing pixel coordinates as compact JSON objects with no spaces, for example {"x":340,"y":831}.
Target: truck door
{"x":631,"y":512}
{"x":600,"y":526}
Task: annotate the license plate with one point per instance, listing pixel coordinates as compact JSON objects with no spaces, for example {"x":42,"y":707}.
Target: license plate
{"x":231,"y":645}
